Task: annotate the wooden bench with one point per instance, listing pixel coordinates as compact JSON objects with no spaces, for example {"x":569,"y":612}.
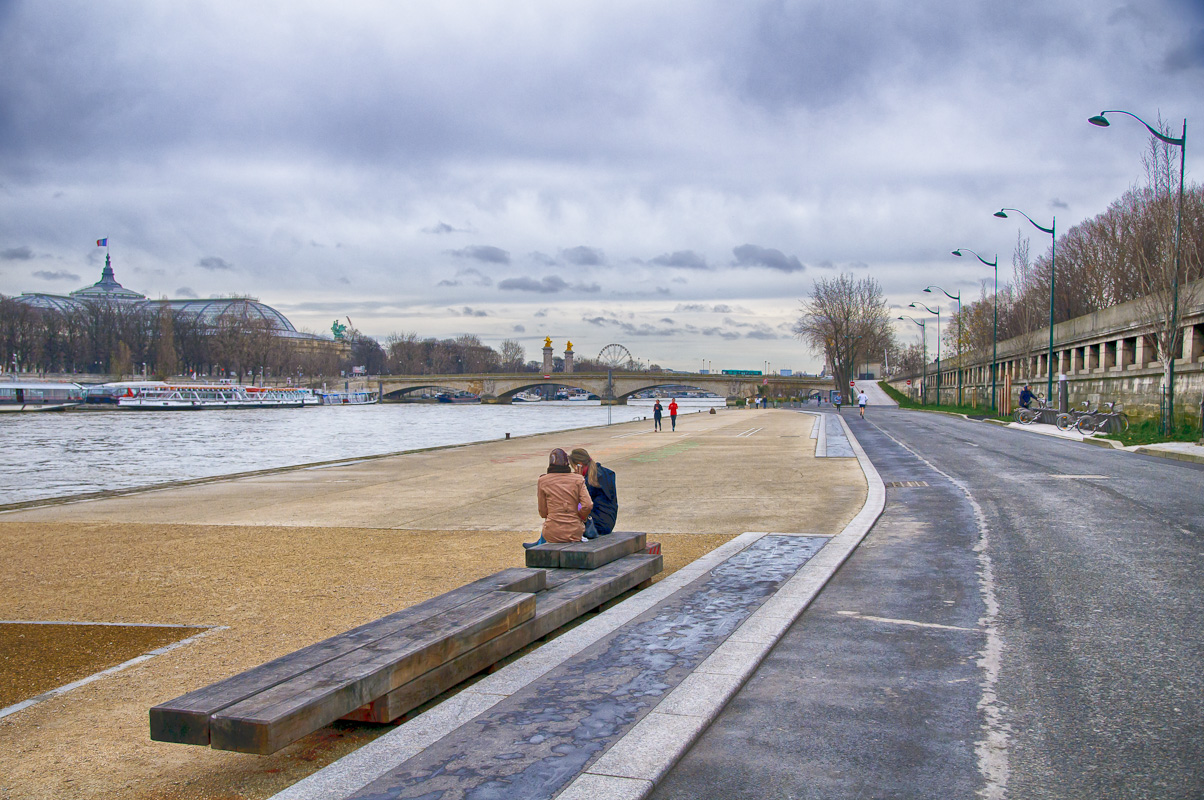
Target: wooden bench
{"x":379,"y":671}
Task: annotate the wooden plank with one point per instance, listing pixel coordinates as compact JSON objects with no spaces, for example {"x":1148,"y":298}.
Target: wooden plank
{"x":575,"y":593}
{"x":278,"y":716}
{"x":545,"y":555}
{"x":603,"y":550}
{"x":185,"y":719}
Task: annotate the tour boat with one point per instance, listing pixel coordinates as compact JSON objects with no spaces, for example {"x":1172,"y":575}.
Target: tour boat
{"x":39,"y":396}
{"x":362,"y":397}
{"x":579,"y":394}
{"x":526,"y":397}
{"x":196,"y":396}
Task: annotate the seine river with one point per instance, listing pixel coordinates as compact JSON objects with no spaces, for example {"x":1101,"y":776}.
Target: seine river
{"x":54,"y":454}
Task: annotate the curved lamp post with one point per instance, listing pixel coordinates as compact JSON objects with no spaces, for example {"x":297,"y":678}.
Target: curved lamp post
{"x":924,"y":348}
{"x":1053,"y":269}
{"x":936,"y":311}
{"x":995,"y":335}
{"x":960,"y":325}
{"x":1101,"y":120}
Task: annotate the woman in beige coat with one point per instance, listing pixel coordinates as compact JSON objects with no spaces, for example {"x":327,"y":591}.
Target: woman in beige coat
{"x":564,"y":502}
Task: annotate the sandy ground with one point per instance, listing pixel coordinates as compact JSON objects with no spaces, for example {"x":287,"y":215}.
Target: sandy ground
{"x":284,"y":560}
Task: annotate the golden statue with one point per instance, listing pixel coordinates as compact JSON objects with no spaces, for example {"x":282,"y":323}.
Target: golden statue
{"x":547,"y":341}
{"x":568,"y":347}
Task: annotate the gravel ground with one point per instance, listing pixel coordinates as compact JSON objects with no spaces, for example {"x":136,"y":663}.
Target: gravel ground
{"x":276,"y":589}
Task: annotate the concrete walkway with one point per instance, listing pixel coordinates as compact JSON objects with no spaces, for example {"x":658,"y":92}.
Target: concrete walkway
{"x":606,"y":709}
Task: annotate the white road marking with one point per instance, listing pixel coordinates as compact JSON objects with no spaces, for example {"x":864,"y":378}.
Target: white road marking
{"x":910,"y":622}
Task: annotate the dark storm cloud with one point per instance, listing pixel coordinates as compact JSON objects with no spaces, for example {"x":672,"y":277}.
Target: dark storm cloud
{"x":16,"y":254}
{"x":584,"y":256}
{"x":549,"y":284}
{"x":184,"y":291}
{"x":214,"y":263}
{"x":483,"y":252}
{"x":60,"y":275}
{"x":683,"y":259}
{"x":750,"y":255}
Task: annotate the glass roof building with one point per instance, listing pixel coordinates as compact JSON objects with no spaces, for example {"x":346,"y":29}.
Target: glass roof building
{"x":207,"y":312}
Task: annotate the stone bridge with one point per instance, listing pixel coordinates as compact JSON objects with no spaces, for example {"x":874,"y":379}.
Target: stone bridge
{"x":614,"y":388}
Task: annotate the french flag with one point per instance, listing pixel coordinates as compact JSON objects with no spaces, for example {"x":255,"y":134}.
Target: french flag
{"x":102,"y":242}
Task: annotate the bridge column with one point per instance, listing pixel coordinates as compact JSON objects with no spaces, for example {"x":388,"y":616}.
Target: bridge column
{"x":568,"y":360}
{"x":547,"y":360}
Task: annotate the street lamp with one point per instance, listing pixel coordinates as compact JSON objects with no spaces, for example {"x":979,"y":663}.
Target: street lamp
{"x":1101,"y":120}
{"x":1053,"y":263}
{"x":936,"y":311}
{"x":960,"y":325}
{"x":924,"y":350}
{"x":995,"y":334}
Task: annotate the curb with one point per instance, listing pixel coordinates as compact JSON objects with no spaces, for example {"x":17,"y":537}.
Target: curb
{"x":1149,"y":451}
{"x":634,"y":764}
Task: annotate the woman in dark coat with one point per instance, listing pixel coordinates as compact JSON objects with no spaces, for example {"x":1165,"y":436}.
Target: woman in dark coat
{"x":600,"y":483}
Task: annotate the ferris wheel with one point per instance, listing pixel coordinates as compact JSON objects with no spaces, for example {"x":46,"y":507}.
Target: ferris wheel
{"x":616,"y":356}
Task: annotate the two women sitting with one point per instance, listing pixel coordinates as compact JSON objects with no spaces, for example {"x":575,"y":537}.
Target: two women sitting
{"x":577,"y":498}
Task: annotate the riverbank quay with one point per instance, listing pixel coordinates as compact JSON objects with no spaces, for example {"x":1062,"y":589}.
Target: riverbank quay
{"x":271,"y":563}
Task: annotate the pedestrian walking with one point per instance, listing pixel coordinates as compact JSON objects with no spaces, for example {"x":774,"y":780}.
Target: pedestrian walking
{"x":656,"y":415}
{"x":673,"y":413}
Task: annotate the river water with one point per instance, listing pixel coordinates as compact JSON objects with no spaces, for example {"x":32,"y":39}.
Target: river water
{"x":52,"y":454}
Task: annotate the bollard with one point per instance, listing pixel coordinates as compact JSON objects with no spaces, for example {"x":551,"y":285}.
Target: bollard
{"x":507,"y":436}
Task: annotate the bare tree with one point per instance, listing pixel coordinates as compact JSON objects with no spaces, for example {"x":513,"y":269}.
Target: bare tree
{"x":513,"y":355}
{"x":1167,"y":279}
{"x":847,"y":320}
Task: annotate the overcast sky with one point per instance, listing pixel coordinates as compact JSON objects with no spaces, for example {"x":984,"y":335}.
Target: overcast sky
{"x":671,"y":176}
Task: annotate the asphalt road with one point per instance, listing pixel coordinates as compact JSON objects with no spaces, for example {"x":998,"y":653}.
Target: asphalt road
{"x":1026,"y":623}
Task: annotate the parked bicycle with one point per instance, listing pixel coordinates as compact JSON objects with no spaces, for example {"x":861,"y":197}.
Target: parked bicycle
{"x":1026,"y":416}
{"x":1111,"y":421}
{"x":1067,"y":419}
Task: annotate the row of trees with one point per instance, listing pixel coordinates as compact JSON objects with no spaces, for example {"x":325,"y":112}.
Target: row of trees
{"x":106,"y":337}
{"x":1125,"y":253}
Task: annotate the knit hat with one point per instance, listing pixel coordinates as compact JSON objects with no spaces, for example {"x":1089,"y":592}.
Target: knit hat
{"x":579,"y":456}
{"x":558,"y":458}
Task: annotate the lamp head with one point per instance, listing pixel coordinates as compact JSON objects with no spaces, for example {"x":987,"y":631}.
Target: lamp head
{"x":1000,"y":214}
{"x":929,"y":289}
{"x":1099,"y":120}
{"x":957,"y":252}
{"x":911,"y":305}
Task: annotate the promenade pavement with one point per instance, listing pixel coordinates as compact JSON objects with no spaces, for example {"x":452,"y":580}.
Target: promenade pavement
{"x":273,"y":562}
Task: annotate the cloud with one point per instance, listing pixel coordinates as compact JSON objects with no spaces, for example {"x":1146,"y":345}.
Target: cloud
{"x":682,"y":259}
{"x":549,"y":284}
{"x":213,"y":263}
{"x":473,"y":312}
{"x":184,"y":291}
{"x":1056,"y":203}
{"x":717,"y":308}
{"x":750,"y":255}
{"x":477,"y":277}
{"x":16,"y":254}
{"x":519,"y":329}
{"x":543,"y":312}
{"x":60,"y":275}
{"x":441,"y":227}
{"x":584,"y":256}
{"x":543,"y":259}
{"x":483,"y":252}
{"x":761,"y":334}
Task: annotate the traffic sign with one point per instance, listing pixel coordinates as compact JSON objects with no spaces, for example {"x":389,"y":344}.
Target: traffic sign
{"x":852,"y":383}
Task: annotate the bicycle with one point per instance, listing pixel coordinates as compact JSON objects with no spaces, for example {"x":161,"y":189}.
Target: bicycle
{"x":1066,"y":420}
{"x":1112,"y":421}
{"x":1027,"y":416}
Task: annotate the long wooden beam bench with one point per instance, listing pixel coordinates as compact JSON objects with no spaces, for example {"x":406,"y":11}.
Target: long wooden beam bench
{"x":380,"y":670}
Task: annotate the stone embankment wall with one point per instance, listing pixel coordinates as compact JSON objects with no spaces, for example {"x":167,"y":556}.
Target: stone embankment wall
{"x":1106,"y":356}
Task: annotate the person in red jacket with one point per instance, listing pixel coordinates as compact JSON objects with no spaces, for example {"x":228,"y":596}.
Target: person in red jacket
{"x":672,"y":413}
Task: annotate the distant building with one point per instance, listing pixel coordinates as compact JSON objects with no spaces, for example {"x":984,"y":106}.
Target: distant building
{"x":208,"y":312}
